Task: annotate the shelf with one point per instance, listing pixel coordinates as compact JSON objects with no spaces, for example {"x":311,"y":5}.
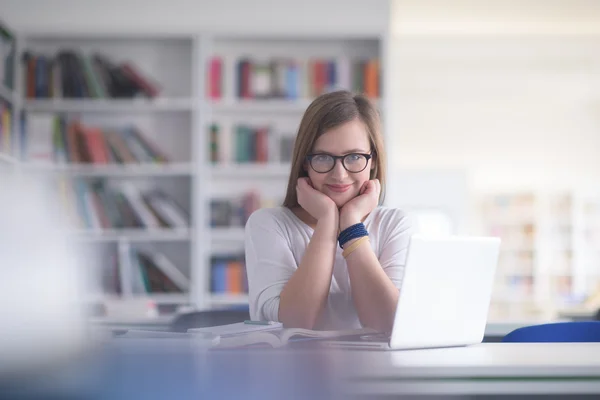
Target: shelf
{"x":128,"y":170}
{"x":262,"y":106}
{"x":7,"y":94}
{"x":109,"y":105}
{"x":7,"y":159}
{"x":158,"y":298}
{"x":228,"y":299}
{"x":135,"y":235}
{"x":167,"y":298}
{"x":230,"y":234}
{"x":240,"y":171}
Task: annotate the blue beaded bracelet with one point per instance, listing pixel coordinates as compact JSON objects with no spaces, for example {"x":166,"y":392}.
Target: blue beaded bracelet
{"x":352,"y":232}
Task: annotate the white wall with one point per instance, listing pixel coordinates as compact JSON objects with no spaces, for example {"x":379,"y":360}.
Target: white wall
{"x":495,"y":17}
{"x":514,"y":102}
{"x":287,"y":16}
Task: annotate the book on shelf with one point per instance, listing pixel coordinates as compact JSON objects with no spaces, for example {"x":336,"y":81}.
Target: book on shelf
{"x":136,"y":272}
{"x":234,"y":212}
{"x":293,"y":79}
{"x":7,"y":56}
{"x":72,"y":74}
{"x":228,"y":275}
{"x":99,"y":206}
{"x":7,"y":140}
{"x":54,"y":139}
{"x":245,"y":143}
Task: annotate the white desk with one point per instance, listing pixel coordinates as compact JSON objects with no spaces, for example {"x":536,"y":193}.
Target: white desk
{"x":488,"y":368}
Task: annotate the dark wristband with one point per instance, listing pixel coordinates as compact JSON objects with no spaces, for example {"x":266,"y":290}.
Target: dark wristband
{"x":352,"y":232}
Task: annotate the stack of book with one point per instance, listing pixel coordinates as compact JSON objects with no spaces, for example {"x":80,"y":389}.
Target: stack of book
{"x":287,"y":78}
{"x":234,"y":212}
{"x":53,"y":139}
{"x":95,"y":205}
{"x":7,"y":57}
{"x":228,"y":275}
{"x":249,"y":144}
{"x":72,"y":74}
{"x":143,"y":272}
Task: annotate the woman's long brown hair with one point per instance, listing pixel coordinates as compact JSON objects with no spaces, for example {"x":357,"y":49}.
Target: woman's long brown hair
{"x":327,"y":112}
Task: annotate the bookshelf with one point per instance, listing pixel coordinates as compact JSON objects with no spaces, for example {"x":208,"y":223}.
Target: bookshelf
{"x":549,"y":259}
{"x":206,"y":171}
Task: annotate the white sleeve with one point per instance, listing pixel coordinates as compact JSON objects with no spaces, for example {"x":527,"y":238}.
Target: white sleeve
{"x":269,"y":264}
{"x":395,"y":238}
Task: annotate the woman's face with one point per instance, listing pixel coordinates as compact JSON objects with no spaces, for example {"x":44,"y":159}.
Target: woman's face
{"x":339,"y":184}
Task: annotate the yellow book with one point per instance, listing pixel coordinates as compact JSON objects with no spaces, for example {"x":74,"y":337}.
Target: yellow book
{"x":6,"y":129}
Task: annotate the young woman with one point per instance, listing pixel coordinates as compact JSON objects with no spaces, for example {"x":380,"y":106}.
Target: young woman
{"x":331,"y":257}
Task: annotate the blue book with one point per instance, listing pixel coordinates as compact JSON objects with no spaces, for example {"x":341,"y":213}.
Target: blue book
{"x":40,"y":77}
{"x":219,"y":277}
{"x":331,"y":75}
{"x":292,"y":82}
{"x":81,"y":189}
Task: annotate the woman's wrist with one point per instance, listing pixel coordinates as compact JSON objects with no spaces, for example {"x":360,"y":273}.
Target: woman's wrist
{"x":347,"y":221}
{"x":330,"y":222}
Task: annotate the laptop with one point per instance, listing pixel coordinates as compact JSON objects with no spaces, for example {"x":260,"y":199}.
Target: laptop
{"x":444,"y":298}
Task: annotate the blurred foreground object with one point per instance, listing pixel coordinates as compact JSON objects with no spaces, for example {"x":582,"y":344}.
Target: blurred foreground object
{"x":41,"y":279}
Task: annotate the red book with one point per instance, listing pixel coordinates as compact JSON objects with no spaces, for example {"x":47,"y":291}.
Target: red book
{"x":234,"y":277}
{"x":246,"y":75}
{"x":262,"y":145}
{"x":144,"y":84}
{"x":95,"y":145}
{"x":215,"y":78}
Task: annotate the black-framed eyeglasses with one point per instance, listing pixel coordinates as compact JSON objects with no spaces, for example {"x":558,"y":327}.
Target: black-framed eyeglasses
{"x":352,"y":162}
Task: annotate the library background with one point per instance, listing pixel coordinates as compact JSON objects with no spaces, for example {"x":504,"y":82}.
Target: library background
{"x":162,"y":145}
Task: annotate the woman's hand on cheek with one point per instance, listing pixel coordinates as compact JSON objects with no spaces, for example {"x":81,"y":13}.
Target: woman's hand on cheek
{"x":314,"y":202}
{"x":356,"y":209}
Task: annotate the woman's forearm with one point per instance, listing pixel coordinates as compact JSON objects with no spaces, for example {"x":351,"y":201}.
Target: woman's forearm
{"x":374,"y":295}
{"x":304,"y":295}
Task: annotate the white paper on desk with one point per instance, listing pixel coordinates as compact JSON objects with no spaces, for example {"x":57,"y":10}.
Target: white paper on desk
{"x":236,"y":329}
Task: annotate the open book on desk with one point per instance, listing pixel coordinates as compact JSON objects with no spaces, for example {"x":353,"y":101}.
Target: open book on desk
{"x":281,"y":337}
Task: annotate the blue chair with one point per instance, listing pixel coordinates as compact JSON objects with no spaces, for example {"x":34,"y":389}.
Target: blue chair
{"x":578,"y":331}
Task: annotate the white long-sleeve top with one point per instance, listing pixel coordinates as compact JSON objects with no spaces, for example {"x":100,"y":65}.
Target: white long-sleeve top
{"x":275,"y":241}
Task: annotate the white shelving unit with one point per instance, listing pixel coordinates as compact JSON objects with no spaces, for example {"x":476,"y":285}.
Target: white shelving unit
{"x":178,"y":121}
{"x":132,"y":235}
{"x":124,"y":170}
{"x":110,"y":105}
{"x":273,"y":170}
{"x":547,"y":262}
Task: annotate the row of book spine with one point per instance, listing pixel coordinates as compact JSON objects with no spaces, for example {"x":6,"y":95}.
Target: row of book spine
{"x":283,"y":78}
{"x":228,"y":275}
{"x":7,"y":57}
{"x":72,"y":74}
{"x":7,"y":142}
{"x":53,"y":139}
{"x":249,"y":144}
{"x":137,"y":272}
{"x":228,"y":212}
{"x":97,"y":206}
